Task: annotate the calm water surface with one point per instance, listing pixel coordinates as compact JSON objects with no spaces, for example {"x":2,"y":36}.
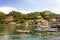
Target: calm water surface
{"x":6,"y":33}
{"x":37,"y":36}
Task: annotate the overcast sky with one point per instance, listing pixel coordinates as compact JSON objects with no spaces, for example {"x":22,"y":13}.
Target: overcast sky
{"x":32,"y":5}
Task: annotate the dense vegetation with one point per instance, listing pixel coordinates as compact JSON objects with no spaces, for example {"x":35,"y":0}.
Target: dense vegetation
{"x":20,"y":17}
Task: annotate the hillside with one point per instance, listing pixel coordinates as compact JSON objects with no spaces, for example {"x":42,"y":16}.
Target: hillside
{"x":19,"y":17}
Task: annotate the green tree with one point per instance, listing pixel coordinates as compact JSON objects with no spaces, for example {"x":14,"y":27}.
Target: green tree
{"x":2,"y":16}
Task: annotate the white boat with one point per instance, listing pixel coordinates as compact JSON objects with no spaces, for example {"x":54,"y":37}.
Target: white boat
{"x":23,"y":31}
{"x":52,"y":29}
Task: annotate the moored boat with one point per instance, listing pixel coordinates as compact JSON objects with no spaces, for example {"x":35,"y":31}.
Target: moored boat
{"x":23,"y":31}
{"x":53,"y":30}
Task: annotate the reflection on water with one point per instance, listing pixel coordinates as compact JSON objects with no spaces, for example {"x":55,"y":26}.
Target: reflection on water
{"x":8,"y":33}
{"x":36,"y":36}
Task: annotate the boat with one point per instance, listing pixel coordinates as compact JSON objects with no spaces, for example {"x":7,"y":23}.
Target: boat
{"x":23,"y":31}
{"x":53,"y":30}
{"x":42,"y":29}
{"x":46,"y":30}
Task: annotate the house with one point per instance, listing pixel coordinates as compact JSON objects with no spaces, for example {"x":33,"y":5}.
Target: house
{"x":43,"y":21}
{"x":29,"y":22}
{"x":58,"y":19}
{"x":9,"y":18}
{"x":54,"y":19}
{"x":54,"y":24}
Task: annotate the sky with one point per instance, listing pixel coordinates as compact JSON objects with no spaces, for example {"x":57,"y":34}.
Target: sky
{"x":32,"y":5}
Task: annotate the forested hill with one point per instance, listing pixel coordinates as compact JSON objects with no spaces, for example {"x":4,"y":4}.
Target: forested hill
{"x":48,"y":15}
{"x":20,"y":17}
